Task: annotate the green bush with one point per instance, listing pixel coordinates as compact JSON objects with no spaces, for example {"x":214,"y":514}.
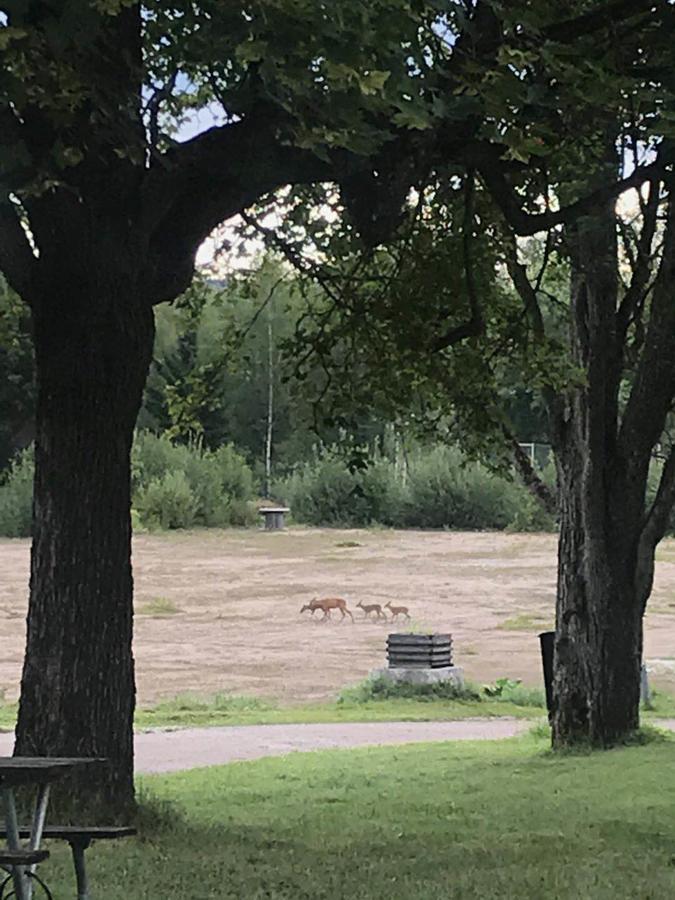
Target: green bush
{"x":325,"y":492}
{"x":167,"y":502}
{"x":179,"y":486}
{"x":152,"y":456}
{"x":382,"y":689}
{"x":16,"y":497}
{"x":441,"y":490}
{"x":512,"y":690}
{"x":443,"y":493}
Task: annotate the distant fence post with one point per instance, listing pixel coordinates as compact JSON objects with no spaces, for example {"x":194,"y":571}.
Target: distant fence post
{"x":645,"y":693}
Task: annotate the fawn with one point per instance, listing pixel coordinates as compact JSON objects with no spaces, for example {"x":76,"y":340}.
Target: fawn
{"x":397,"y":610}
{"x":368,"y":608}
{"x":327,"y":605}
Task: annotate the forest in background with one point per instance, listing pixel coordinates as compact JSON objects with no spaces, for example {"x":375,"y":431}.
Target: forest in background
{"x":230,"y":418}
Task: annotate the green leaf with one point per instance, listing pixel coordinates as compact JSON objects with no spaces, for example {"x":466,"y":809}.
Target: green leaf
{"x":373,"y":82}
{"x":413,"y":117}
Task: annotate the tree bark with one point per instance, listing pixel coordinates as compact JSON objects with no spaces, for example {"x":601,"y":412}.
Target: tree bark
{"x":598,"y":647}
{"x":92,"y":351}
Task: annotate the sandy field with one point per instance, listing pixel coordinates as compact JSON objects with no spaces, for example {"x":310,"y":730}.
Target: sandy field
{"x":218,"y":611}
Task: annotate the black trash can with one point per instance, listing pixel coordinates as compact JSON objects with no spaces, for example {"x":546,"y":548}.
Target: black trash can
{"x":546,"y":640}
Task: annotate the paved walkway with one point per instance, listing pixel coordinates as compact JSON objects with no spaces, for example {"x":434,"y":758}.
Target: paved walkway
{"x":190,"y":748}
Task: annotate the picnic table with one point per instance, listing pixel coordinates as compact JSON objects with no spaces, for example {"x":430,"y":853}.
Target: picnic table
{"x":20,"y":861}
{"x":273,"y":516}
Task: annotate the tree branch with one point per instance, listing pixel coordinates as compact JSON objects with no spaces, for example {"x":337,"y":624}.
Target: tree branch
{"x":570,"y":30}
{"x":201,"y":183}
{"x":642,"y":264}
{"x":16,"y":256}
{"x":658,"y":516}
{"x":655,"y":527}
{"x":526,"y":224}
{"x":475,"y":325}
{"x":654,"y":384}
{"x":539,"y":490}
{"x":153,"y":109}
{"x":555,"y":405}
{"x":522,"y":284}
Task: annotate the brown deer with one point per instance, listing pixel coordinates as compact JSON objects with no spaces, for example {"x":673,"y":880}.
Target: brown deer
{"x":369,"y":608}
{"x":327,"y":605}
{"x":397,"y":610}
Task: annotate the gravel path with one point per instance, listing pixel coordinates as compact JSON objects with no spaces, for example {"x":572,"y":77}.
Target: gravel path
{"x":190,"y":748}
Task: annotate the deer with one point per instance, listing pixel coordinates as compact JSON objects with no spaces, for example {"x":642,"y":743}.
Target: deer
{"x":368,"y":608}
{"x":326,"y":605}
{"x":397,"y":610}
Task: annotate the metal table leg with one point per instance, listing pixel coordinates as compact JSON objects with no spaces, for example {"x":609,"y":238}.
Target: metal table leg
{"x":78,"y":848}
{"x":37,"y":827}
{"x":21,"y":881}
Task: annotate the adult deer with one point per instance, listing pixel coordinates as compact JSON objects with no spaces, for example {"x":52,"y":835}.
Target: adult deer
{"x":397,"y":610}
{"x":326,"y":605}
{"x":369,"y":608}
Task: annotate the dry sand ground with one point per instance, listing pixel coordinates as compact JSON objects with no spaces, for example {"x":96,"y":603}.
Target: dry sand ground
{"x":237,"y":596}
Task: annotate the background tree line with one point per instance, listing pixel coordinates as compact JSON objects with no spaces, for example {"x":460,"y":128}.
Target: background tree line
{"x":199,"y":458}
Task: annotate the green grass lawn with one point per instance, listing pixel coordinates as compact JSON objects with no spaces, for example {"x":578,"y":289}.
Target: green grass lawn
{"x":425,"y":822}
{"x":193,"y":711}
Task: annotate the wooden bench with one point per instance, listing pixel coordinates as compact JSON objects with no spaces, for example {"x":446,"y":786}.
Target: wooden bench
{"x":27,"y":858}
{"x":80,"y":837}
{"x":22,"y":857}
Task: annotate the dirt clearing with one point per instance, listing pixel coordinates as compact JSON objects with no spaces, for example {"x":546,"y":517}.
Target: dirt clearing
{"x":218,"y":611}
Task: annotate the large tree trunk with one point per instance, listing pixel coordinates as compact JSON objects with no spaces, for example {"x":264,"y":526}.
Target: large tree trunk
{"x":598,"y":646}
{"x":77,"y":691}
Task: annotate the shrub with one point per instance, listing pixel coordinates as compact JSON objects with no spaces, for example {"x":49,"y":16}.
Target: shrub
{"x":382,"y":689}
{"x":236,"y":478}
{"x":511,"y":690}
{"x":186,"y":485}
{"x":325,"y":492}
{"x":152,"y":456}
{"x":445,"y":492}
{"x":167,"y":502}
{"x":441,"y":490}
{"x":16,"y":497}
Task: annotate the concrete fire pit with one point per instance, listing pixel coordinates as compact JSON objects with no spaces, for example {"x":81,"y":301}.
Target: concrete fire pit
{"x":420,"y":659}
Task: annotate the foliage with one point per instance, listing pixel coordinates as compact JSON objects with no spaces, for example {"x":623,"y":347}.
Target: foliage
{"x":174,"y":486}
{"x":504,"y":690}
{"x":17,"y":376}
{"x":16,"y":497}
{"x":382,"y":689}
{"x":179,"y":486}
{"x":167,"y":502}
{"x":512,"y":690}
{"x":183,"y":485}
{"x":439,"y":489}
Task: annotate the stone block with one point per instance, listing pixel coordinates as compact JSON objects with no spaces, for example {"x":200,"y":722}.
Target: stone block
{"x":418,"y":675}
